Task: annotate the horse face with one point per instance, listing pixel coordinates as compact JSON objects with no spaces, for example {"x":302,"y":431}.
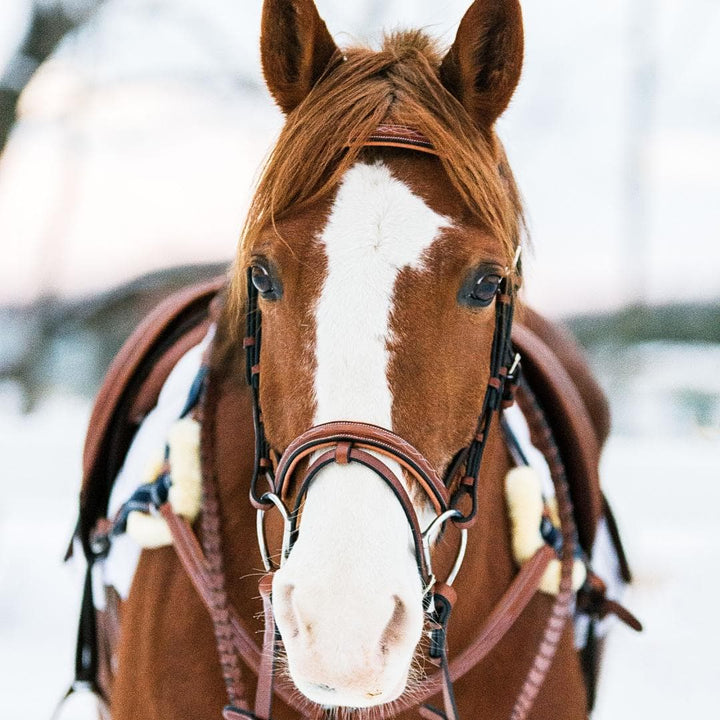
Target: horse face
{"x":368,"y":315}
{"x":374,"y":310}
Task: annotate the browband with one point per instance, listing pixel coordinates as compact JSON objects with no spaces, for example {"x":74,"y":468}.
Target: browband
{"x":400,"y":136}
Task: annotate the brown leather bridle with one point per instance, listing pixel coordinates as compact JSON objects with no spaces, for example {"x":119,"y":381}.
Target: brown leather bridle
{"x":354,"y":442}
{"x":346,"y":442}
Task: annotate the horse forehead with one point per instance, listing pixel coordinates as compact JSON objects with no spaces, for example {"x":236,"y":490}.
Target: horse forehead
{"x":378,"y":222}
{"x":377,"y":228}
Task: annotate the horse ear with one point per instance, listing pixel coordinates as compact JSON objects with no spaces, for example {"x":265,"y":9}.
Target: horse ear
{"x":295,"y":47}
{"x":482,"y":68}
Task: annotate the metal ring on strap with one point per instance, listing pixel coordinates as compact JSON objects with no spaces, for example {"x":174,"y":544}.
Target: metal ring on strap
{"x":260,"y":526}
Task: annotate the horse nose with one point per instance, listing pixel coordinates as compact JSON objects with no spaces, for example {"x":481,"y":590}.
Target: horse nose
{"x":396,"y":628}
{"x":354,"y":654}
{"x":298,"y":613}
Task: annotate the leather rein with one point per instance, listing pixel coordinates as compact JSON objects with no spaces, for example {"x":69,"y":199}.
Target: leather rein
{"x":454,"y":499}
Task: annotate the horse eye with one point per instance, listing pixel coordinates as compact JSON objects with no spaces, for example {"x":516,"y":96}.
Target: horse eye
{"x":485,"y":289}
{"x":263,"y":282}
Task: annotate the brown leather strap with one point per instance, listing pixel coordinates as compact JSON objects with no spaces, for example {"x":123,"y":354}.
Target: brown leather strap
{"x":504,"y":615}
{"x":211,"y":591}
{"x":572,"y":426}
{"x":195,"y":565}
{"x":501,"y":619}
{"x":400,"y":136}
{"x":189,"y":551}
{"x":543,"y":439}
{"x":363,"y":457}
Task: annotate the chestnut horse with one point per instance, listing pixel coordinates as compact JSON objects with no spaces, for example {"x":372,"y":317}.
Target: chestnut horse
{"x":380,"y":252}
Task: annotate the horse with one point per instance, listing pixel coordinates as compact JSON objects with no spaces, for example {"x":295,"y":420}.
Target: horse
{"x":345,"y":376}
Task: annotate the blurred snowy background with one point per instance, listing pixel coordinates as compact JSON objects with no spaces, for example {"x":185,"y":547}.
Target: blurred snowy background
{"x":131,"y":131}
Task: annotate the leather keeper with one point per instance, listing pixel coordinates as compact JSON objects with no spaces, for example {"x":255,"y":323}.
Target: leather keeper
{"x":447,"y":592}
{"x":342,"y":453}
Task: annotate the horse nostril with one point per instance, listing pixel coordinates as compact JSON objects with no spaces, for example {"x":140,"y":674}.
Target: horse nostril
{"x":395,"y":628}
{"x":283,"y":606}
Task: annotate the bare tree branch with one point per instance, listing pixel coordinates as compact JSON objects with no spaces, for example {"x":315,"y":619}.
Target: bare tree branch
{"x":49,"y":24}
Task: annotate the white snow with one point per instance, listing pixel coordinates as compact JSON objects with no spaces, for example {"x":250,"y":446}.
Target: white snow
{"x":666,"y":494}
{"x":40,"y":457}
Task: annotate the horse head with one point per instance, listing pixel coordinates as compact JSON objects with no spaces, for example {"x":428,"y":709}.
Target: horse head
{"x":376,"y":271}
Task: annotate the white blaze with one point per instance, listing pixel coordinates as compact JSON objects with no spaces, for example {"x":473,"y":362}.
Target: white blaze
{"x":377,"y":228}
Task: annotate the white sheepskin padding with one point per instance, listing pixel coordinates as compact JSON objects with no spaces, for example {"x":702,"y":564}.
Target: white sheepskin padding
{"x":550,"y":582}
{"x":185,"y":496}
{"x":148,"y":531}
{"x":118,"y":569}
{"x":525,"y":507}
{"x":186,"y":489}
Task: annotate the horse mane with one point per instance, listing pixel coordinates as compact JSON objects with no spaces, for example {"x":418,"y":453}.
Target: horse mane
{"x":323,"y":137}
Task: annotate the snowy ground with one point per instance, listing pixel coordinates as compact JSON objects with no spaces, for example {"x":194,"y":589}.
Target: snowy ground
{"x":663,"y":486}
{"x":666,"y":494}
{"x":39,"y":596}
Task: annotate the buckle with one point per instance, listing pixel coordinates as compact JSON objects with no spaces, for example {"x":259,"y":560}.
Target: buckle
{"x":427,"y":537}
